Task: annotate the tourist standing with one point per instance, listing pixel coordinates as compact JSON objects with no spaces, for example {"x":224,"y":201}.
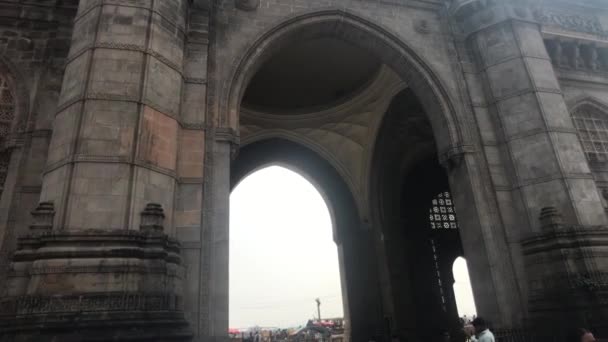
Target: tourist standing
{"x":480,"y":331}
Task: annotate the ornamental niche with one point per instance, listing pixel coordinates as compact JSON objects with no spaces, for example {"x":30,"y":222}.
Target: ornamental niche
{"x":7,"y":115}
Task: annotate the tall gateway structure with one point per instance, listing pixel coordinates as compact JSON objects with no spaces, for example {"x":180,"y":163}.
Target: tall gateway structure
{"x":433,"y":128}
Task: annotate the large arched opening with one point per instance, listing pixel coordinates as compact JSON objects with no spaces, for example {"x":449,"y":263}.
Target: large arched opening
{"x":427,"y":143}
{"x":413,"y":204}
{"x":282,"y":253}
{"x":355,"y":275}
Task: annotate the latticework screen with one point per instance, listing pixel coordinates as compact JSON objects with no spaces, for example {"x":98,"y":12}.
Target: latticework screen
{"x":442,"y":214}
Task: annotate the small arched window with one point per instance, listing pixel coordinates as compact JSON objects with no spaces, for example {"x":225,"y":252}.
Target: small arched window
{"x":7,"y":115}
{"x":592,"y":126}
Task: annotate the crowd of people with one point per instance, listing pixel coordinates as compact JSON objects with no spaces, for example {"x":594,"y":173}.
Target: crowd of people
{"x":475,"y":329}
{"x":321,"y":331}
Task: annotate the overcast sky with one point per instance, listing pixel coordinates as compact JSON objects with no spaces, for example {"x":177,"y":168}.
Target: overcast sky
{"x":282,"y":254}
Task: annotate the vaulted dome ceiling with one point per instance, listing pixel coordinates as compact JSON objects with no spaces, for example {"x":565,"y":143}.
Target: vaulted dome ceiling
{"x":310,"y":74}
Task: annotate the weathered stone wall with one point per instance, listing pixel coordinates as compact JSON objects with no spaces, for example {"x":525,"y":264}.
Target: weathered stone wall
{"x":146,"y":113}
{"x":575,"y":37}
{"x":34,"y":42}
{"x":422,"y":26}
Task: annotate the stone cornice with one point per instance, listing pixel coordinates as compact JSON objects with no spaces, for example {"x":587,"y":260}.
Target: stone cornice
{"x":570,"y":237}
{"x":477,"y":15}
{"x":115,"y":244}
{"x":432,"y":5}
{"x":100,"y":3}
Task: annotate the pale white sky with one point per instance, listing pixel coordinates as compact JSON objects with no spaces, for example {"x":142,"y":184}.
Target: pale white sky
{"x":462,"y":289}
{"x":282,"y":254}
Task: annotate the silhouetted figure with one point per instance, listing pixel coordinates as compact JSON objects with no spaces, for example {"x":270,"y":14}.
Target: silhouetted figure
{"x":580,"y":335}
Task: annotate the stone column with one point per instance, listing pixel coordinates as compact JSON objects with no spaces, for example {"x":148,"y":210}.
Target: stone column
{"x":361,"y":286}
{"x":190,"y":163}
{"x":547,"y":164}
{"x":111,"y":179}
{"x":214,"y":259}
{"x":115,"y":135}
{"x":532,"y":148}
{"x":399,"y":303}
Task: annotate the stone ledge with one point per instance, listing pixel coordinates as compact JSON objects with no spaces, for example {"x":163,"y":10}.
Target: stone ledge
{"x":566,"y":237}
{"x":98,"y":244}
{"x":62,"y":286}
{"x":90,"y":302}
{"x":99,"y":326}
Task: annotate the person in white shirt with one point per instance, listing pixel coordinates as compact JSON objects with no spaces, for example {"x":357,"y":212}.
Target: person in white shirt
{"x":481,"y":331}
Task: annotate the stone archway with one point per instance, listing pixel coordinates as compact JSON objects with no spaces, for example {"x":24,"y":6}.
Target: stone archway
{"x":389,"y":49}
{"x":360,"y":294}
{"x":491,"y":266}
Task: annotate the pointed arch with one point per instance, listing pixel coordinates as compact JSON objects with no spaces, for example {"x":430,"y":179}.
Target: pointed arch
{"x":279,"y":210}
{"x":381,"y":42}
{"x":308,"y":163}
{"x":357,"y":271}
{"x":288,"y":135}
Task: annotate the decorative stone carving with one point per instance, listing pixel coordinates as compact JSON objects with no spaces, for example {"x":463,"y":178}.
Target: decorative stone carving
{"x":129,"y":286}
{"x":577,"y":54}
{"x":453,"y":157}
{"x":550,"y":219}
{"x":247,"y":5}
{"x":127,"y":301}
{"x":43,"y":217}
{"x":152,"y":218}
{"x":568,"y":21}
{"x":564,"y":281}
{"x":422,"y":26}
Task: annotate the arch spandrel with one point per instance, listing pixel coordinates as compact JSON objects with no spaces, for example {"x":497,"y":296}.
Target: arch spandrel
{"x":450,"y":133}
